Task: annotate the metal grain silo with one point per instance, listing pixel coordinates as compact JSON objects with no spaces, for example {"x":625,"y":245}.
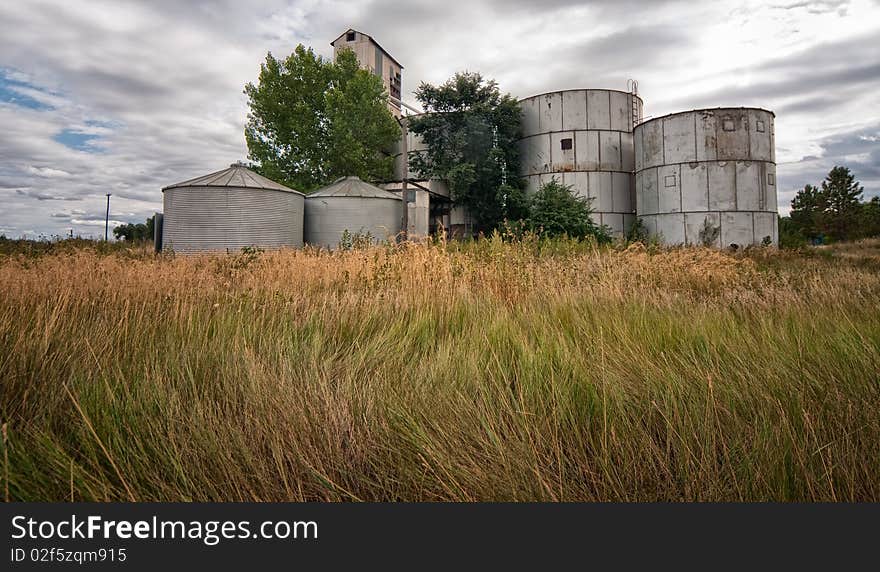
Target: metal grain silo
{"x":584,"y":138}
{"x":229,"y":210}
{"x":708,"y":177}
{"x":352,"y":205}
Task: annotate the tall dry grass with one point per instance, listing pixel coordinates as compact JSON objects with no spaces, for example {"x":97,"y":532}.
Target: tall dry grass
{"x":487,"y":371}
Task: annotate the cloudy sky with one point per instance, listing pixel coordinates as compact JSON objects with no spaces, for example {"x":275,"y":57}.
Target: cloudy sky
{"x":126,"y":97}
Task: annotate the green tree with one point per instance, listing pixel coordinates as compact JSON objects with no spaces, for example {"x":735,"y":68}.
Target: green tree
{"x":554,"y":210}
{"x":132,"y":232}
{"x":790,"y":235}
{"x":843,"y":195}
{"x":869,"y":219}
{"x":808,"y":211}
{"x":312,"y":121}
{"x":470,"y":131}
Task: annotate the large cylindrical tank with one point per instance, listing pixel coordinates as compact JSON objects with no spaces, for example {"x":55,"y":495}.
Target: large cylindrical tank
{"x":708,"y":177}
{"x":584,"y":138}
{"x":350,"y":204}
{"x":230,"y":210}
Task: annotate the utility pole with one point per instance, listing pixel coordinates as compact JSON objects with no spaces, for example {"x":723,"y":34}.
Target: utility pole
{"x":107,"y":220}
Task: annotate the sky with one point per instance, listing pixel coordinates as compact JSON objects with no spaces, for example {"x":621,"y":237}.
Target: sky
{"x":126,"y":97}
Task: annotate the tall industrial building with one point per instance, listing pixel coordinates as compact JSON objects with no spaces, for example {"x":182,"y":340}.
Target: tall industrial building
{"x":374,"y":58}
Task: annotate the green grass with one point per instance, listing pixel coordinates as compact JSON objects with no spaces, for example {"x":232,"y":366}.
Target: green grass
{"x":482,"y":371}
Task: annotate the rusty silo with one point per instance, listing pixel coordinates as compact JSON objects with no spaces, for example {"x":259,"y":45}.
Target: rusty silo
{"x":584,"y":138}
{"x":708,"y":177}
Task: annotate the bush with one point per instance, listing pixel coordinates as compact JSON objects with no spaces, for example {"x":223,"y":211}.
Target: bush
{"x":790,"y":235}
{"x":556,"y":211}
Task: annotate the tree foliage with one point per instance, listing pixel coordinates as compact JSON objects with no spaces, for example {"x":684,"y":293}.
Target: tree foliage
{"x":312,"y":121}
{"x":833,"y":210}
{"x":808,"y":209}
{"x":132,"y":232}
{"x":554,"y":210}
{"x":470,"y":131}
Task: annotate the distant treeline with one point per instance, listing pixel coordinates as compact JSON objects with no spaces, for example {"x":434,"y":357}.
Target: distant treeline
{"x":133,"y":232}
{"x":832,"y":212}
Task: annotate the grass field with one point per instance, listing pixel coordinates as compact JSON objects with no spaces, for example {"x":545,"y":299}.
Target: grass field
{"x":484,"y":371}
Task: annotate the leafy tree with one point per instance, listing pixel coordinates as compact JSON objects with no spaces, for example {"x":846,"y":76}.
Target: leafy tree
{"x":135,"y":232}
{"x":470,"y":131}
{"x":869,"y":219}
{"x":555,"y":210}
{"x":843,"y":195}
{"x":808,"y":210}
{"x":312,"y":121}
{"x":790,"y":235}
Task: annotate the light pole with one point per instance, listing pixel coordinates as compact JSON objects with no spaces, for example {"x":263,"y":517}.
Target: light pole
{"x":107,"y":219}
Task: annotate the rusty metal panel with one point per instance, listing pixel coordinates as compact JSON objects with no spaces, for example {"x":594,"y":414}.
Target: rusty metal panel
{"x":587,"y":150}
{"x":772,"y":138}
{"x":770,"y":200}
{"x":671,"y":228}
{"x":760,"y":126}
{"x":694,"y":187}
{"x":650,"y":222}
{"x":737,"y":228}
{"x":614,"y":222}
{"x":679,"y":138}
{"x":574,"y":110}
{"x":579,"y":182}
{"x":732,"y":134}
{"x":550,"y":117}
{"x":530,"y":111}
{"x":638,"y":144}
{"x":621,"y":193}
{"x":706,"y":142}
{"x":669,"y":189}
{"x":620,"y":111}
{"x":722,"y":186}
{"x":694,"y":225}
{"x":600,"y":187}
{"x":651,"y":143}
{"x":598,"y":110}
{"x":535,"y":154}
{"x":627,"y":152}
{"x":562,"y":151}
{"x":647,"y":198}
{"x":749,"y":193}
{"x":632,"y":192}
{"x":609,"y":151}
{"x":766,"y":226}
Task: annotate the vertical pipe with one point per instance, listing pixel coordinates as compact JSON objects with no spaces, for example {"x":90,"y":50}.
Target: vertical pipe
{"x":404,"y":188}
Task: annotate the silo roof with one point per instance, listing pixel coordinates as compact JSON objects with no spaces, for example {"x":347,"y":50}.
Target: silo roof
{"x":235,"y":176}
{"x":353,"y":187}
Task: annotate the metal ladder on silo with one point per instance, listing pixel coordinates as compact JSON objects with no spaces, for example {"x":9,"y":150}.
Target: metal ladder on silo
{"x":633,"y":86}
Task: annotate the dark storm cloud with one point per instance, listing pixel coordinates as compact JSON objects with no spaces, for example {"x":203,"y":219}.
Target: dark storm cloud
{"x":42,"y":196}
{"x":823,"y":73}
{"x":858,"y":149}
